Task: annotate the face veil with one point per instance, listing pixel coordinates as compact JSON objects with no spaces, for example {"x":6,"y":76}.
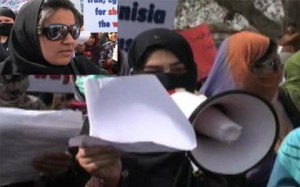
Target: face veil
{"x":173,"y":42}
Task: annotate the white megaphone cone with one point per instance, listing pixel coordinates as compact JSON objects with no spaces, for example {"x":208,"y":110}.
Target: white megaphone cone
{"x":218,"y":126}
{"x":84,"y":36}
{"x":247,"y":123}
{"x":215,"y":125}
{"x":187,"y":101}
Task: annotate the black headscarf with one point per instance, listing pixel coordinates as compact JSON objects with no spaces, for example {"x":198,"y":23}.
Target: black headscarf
{"x":167,"y":39}
{"x":26,"y":56}
{"x":7,"y":12}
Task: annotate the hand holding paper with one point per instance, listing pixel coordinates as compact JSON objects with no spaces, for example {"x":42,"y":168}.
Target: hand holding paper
{"x":27,"y":134}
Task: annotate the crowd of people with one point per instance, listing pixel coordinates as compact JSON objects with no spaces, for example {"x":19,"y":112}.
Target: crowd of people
{"x":101,"y":49}
{"x":42,"y":40}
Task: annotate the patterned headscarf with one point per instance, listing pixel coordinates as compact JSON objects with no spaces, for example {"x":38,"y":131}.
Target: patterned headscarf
{"x":231,"y":69}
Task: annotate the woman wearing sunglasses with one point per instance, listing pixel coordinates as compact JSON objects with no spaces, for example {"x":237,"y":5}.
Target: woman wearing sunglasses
{"x":43,"y":40}
{"x":249,"y":61}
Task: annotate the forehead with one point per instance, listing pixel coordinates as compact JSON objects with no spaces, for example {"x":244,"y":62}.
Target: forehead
{"x":61,"y":16}
{"x":162,"y":58}
{"x":6,"y":19}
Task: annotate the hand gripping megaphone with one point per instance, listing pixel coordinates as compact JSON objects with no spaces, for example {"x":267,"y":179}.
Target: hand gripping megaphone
{"x":235,"y":130}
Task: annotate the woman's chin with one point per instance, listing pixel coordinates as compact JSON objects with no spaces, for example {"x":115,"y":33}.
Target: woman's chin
{"x":61,"y":63}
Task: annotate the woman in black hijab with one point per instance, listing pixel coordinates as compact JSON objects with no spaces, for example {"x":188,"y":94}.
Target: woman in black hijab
{"x":7,"y":19}
{"x":167,"y":55}
{"x":178,"y":72}
{"x":42,"y":40}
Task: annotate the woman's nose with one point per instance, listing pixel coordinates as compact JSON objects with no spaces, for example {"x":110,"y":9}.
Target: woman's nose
{"x":69,"y":39}
{"x":167,"y":70}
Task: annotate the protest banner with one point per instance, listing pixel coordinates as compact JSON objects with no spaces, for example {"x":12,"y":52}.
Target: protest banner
{"x":204,"y":50}
{"x":50,"y":83}
{"x":100,"y":15}
{"x":138,"y":16}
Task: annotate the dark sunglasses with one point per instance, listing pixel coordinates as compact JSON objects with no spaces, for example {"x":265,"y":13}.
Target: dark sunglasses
{"x":267,"y":66}
{"x":57,"y":32}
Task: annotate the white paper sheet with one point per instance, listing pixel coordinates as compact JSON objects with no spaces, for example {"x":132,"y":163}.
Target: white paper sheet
{"x":135,"y":114}
{"x":27,"y":134}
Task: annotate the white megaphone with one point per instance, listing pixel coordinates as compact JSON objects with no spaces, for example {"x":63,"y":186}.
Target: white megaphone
{"x":235,"y":130}
{"x":83,"y":37}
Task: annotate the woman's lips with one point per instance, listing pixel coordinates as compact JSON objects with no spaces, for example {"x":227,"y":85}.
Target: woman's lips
{"x":66,"y":52}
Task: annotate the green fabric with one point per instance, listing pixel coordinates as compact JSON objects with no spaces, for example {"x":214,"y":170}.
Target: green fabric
{"x":289,"y":154}
{"x":81,"y":79}
{"x":292,"y":79}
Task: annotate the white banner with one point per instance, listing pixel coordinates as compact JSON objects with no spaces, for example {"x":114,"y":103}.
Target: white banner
{"x":50,"y":83}
{"x":137,"y":16}
{"x":100,"y":15}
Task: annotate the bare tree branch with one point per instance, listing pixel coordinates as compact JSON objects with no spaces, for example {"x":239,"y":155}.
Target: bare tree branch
{"x":291,"y":11}
{"x":254,"y":16}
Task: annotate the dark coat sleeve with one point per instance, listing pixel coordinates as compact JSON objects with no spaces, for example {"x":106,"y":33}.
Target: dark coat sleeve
{"x":3,"y":53}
